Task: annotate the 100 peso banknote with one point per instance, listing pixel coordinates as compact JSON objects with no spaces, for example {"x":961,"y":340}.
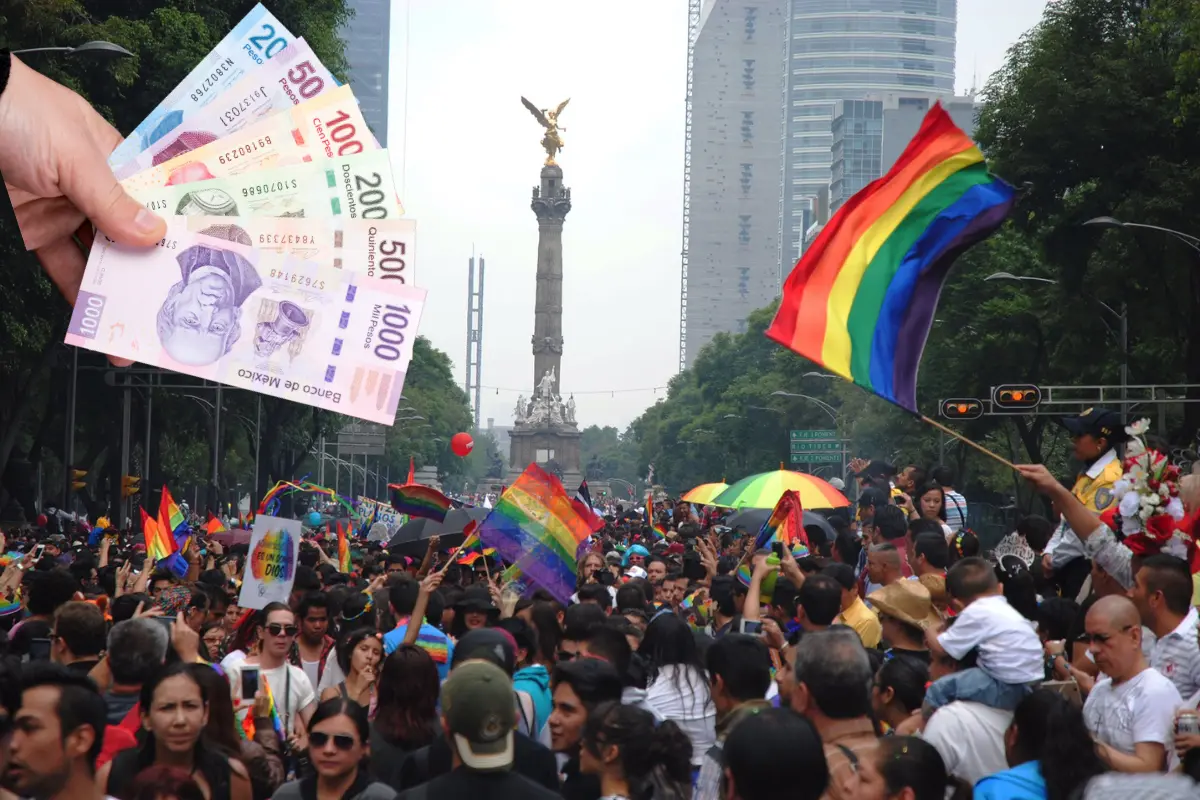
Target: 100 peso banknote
{"x":358,"y":186}
{"x":383,"y":249}
{"x":290,"y":78}
{"x":257,"y":38}
{"x":210,"y":304}
{"x":328,"y":126}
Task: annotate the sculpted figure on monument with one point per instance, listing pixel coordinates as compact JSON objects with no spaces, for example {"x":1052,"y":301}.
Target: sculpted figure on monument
{"x":570,"y":415}
{"x":519,"y":412}
{"x":539,"y":412}
{"x":545,"y":387}
{"x":548,"y":118}
{"x":556,"y":410}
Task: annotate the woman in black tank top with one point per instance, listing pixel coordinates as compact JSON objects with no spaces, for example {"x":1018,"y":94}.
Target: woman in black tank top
{"x":174,"y":709}
{"x":359,"y":652}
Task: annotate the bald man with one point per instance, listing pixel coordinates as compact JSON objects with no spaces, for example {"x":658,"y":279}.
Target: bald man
{"x":883,"y":565}
{"x":1131,"y":711}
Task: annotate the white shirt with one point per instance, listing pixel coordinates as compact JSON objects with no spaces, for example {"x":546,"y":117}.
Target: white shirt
{"x":300,"y":696}
{"x":332,"y":675}
{"x":1142,"y":709}
{"x":1009,"y":648}
{"x":689,"y":706}
{"x":1177,"y":656}
{"x":970,"y":738}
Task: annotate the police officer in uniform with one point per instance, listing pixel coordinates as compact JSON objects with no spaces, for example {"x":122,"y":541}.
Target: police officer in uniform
{"x":1095,"y":433}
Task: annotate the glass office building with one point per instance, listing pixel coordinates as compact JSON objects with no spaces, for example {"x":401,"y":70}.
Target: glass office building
{"x":368,"y":36}
{"x":847,"y":50}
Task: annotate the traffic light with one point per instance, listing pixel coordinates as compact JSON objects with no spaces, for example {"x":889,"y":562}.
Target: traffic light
{"x":77,"y":479}
{"x":130,"y":485}
{"x":1017,"y":397}
{"x":962,"y":409}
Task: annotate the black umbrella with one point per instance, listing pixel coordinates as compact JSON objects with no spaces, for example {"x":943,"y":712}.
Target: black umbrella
{"x":412,"y":538}
{"x":752,"y":519}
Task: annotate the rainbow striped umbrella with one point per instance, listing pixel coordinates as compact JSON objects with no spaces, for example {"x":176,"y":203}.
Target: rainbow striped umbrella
{"x":704,"y":494}
{"x":764,"y":490}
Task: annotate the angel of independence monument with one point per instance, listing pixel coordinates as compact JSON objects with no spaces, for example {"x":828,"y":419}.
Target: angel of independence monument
{"x":544,"y":428}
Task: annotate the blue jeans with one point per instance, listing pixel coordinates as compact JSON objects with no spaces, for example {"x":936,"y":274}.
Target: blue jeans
{"x":976,"y":686}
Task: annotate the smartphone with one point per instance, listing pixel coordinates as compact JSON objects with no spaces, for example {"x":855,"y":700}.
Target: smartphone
{"x":167,"y":622}
{"x":249,"y":682}
{"x":38,"y":550}
{"x":777,"y":548}
{"x":752,"y":627}
{"x":39,"y":649}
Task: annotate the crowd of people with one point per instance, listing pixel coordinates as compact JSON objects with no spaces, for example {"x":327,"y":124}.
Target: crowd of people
{"x":885,"y":657}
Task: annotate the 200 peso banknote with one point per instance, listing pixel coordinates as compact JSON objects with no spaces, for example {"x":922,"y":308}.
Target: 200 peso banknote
{"x":257,"y":38}
{"x":383,"y":249}
{"x":212,"y":305}
{"x":358,"y":186}
{"x":328,"y":126}
{"x":290,"y":78}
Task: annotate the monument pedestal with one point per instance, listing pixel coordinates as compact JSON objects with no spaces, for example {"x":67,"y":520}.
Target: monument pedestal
{"x":542,"y":445}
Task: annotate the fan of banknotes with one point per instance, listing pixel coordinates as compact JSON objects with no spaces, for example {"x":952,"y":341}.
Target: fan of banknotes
{"x":286,"y":268}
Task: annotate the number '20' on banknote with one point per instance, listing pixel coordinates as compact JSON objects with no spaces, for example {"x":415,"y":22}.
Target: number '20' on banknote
{"x":212,"y":305}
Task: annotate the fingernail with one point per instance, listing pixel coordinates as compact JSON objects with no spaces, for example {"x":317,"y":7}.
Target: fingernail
{"x":146,"y":221}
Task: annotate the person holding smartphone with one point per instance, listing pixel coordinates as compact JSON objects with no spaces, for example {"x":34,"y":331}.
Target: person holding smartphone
{"x":293,"y":691}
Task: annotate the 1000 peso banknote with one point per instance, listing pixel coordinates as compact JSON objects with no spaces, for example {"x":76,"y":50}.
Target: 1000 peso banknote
{"x":290,"y":78}
{"x":383,"y":249}
{"x":328,"y":126}
{"x":359,"y":186}
{"x":212,"y":305}
{"x":257,"y":38}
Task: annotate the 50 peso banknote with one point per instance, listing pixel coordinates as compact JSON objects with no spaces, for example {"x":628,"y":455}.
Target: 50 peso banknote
{"x":213,"y":305}
{"x":330,"y":125}
{"x":288,"y":79}
{"x":358,"y":186}
{"x":255,"y":40}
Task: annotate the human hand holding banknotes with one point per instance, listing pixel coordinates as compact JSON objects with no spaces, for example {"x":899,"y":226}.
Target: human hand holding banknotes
{"x":283,"y":265}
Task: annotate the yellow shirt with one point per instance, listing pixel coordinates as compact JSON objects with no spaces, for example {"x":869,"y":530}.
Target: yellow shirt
{"x":864,"y":621}
{"x":1094,"y":487}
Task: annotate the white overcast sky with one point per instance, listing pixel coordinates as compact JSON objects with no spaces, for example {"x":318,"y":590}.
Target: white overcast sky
{"x":467,"y":158}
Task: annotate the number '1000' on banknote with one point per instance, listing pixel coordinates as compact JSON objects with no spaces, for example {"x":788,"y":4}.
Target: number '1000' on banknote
{"x":211,"y":305}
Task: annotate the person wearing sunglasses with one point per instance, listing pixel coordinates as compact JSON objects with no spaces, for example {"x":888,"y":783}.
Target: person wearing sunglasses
{"x":338,"y":746}
{"x":293,"y":691}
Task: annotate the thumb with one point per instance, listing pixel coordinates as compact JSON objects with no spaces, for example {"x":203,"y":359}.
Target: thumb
{"x":92,"y":187}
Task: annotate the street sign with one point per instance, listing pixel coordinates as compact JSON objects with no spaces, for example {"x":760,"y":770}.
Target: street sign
{"x":813,"y":435}
{"x":816,"y":458}
{"x":361,"y":439}
{"x":816,"y":447}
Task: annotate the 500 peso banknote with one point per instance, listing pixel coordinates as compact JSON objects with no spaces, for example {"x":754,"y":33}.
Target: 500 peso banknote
{"x":358,"y":186}
{"x":212,"y":305}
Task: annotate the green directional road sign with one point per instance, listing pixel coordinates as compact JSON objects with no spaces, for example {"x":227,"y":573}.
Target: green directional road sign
{"x":816,"y":447}
{"x":813,"y":435}
{"x":816,"y":458}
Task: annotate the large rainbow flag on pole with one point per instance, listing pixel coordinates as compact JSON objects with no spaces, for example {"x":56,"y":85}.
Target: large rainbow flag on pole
{"x":861,"y":299}
{"x":534,"y":527}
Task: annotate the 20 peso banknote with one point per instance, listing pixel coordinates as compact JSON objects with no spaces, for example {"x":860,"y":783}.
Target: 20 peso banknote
{"x":357,"y":186}
{"x":213,"y":305}
{"x":328,"y":126}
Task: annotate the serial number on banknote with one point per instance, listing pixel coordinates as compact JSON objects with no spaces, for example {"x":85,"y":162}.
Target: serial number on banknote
{"x":299,"y":280}
{"x":218,"y":72}
{"x":245,"y":150}
{"x":268,"y":188}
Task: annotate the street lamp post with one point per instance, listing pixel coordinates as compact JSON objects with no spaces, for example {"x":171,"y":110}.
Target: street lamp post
{"x":1122,"y":317}
{"x":1112,"y":222}
{"x":97,"y":47}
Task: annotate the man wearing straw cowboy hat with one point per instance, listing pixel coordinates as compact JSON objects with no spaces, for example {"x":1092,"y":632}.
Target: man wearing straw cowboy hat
{"x":905,"y":610}
{"x":1095,"y":433}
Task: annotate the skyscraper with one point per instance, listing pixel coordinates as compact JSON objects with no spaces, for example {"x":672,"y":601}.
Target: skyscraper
{"x":846,"y":50}
{"x":368,"y":36}
{"x":733,"y":240}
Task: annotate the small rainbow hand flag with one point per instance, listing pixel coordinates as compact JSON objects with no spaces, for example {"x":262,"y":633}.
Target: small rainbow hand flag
{"x":170,"y":516}
{"x":343,"y":550}
{"x":786,"y":523}
{"x":860,"y":301}
{"x":660,"y":531}
{"x":214,"y":525}
{"x":248,"y":726}
{"x":159,"y":544}
{"x":417,"y":500}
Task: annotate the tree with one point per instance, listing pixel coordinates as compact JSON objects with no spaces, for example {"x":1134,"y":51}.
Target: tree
{"x":608,"y":453}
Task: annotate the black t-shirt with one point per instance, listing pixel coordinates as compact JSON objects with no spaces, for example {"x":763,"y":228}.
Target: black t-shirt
{"x":530,"y":759}
{"x":18,"y":641}
{"x":463,"y":784}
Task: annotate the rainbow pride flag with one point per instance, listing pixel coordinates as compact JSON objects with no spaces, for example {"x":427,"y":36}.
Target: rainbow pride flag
{"x":417,"y":500}
{"x":214,"y":525}
{"x":343,"y":550}
{"x":534,"y":527}
{"x":159,"y":544}
{"x":170,"y":516}
{"x":249,"y":728}
{"x":786,"y":523}
{"x":472,"y":548}
{"x":860,"y":301}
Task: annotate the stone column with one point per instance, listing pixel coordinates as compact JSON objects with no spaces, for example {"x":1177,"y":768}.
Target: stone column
{"x":551,"y":202}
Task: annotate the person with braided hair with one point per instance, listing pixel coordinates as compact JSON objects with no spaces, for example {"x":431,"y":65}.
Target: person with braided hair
{"x":634,"y":759}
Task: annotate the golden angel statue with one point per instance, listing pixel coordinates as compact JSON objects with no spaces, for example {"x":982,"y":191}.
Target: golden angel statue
{"x":552,"y":141}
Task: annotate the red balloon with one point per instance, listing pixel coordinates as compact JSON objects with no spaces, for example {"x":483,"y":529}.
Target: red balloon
{"x":41,"y":520}
{"x":461,"y":444}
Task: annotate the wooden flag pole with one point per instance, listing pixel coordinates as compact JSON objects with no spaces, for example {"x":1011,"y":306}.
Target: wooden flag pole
{"x":965,"y":440}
